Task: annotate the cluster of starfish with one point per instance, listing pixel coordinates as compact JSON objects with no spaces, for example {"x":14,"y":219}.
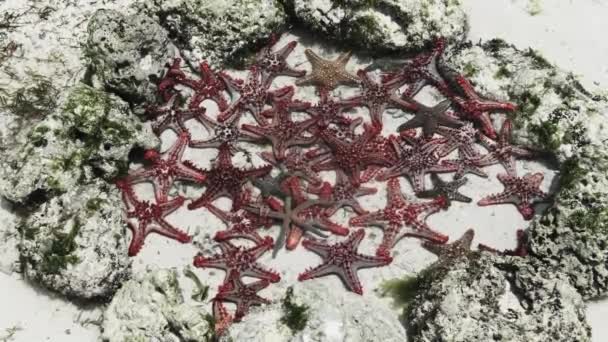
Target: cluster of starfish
{"x":289,"y":190}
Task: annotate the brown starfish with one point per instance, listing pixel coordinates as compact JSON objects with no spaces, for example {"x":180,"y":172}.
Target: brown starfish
{"x":452,"y":250}
{"x":327,"y":74}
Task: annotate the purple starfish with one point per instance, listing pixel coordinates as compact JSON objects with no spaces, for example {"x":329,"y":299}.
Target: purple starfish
{"x":429,"y":118}
{"x":329,"y":110}
{"x":150,"y":217}
{"x":464,"y":165}
{"x":241,"y":224}
{"x":343,"y":260}
{"x":295,"y":163}
{"x":502,"y":151}
{"x":342,"y":194}
{"x":239,"y":262}
{"x":402,"y":217}
{"x":377,"y":96}
{"x":243,"y":295}
{"x":167,"y":168}
{"x":415,"y":161}
{"x":521,"y":191}
{"x":462,"y":138}
{"x":224,"y":133}
{"x":172,"y":116}
{"x":274,"y":63}
{"x":226,"y":180}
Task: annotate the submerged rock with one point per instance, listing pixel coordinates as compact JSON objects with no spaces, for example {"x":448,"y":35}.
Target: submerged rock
{"x":482,"y":297}
{"x":75,"y":243}
{"x":330,"y":316}
{"x":384,"y":25}
{"x":556,"y":115}
{"x":128,"y":53}
{"x":219,"y":31}
{"x":89,"y":135}
{"x":150,"y":307}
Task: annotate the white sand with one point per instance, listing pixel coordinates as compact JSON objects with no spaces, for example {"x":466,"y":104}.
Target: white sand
{"x":558,"y":31}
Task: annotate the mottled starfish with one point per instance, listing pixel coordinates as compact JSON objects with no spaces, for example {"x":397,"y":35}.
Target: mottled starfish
{"x":402,"y":217}
{"x":243,"y":295}
{"x":328,"y":74}
{"x":274,"y":63}
{"x":502,"y":151}
{"x":451,"y":251}
{"x":295,"y":163}
{"x":462,"y":139}
{"x":521,"y":191}
{"x":224,"y":133}
{"x":343,"y":260}
{"x":172,"y":116}
{"x":242,"y":224}
{"x":342,"y":194}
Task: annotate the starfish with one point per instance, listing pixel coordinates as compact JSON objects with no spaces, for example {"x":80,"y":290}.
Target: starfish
{"x":274,"y":63}
{"x":167,"y":168}
{"x":239,"y":262}
{"x":295,"y":163}
{"x":415,"y":161}
{"x":520,"y":191}
{"x":327,"y":74}
{"x":273,"y":186}
{"x":243,"y":295}
{"x":226,"y":180}
{"x":209,"y":87}
{"x":447,"y":189}
{"x":402,"y":217}
{"x":253,"y":95}
{"x":224,"y":133}
{"x":464,"y":165}
{"x":422,"y":70}
{"x":377,"y":96}
{"x":451,"y":251}
{"x":329,"y":110}
{"x":429,"y":118}
{"x":521,"y":250}
{"x":283,"y":132}
{"x":172,"y":116}
{"x":502,"y":151}
{"x":342,"y":194}
{"x":343,"y":260}
{"x":348,"y":156}
{"x":475,"y":108}
{"x":241,"y":224}
{"x":462,"y":138}
{"x":221,"y":317}
{"x":150,"y":217}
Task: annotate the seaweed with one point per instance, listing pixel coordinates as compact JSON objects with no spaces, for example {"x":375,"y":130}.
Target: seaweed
{"x":295,"y":316}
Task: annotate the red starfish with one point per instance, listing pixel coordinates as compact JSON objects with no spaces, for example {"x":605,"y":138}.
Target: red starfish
{"x":348,"y":156}
{"x":343,"y":260}
{"x":221,"y":317}
{"x":422,"y":70}
{"x":150,"y":217}
{"x":475,"y":108}
{"x":253,"y":95}
{"x":502,"y":151}
{"x":342,"y":194}
{"x":401,"y":218}
{"x":242,"y":224}
{"x":167,"y":168}
{"x":283,"y":132}
{"x":464,"y":165}
{"x":208,"y":87}
{"x":328,"y":110}
{"x":225,"y":133}
{"x":520,"y":191}
{"x":243,"y":295}
{"x":462,"y":138}
{"x":226,"y":180}
{"x":171,"y":116}
{"x":295,"y":163}
{"x":275,"y":63}
{"x":377,"y":96}
{"x":416,"y":160}
{"x":239,"y":262}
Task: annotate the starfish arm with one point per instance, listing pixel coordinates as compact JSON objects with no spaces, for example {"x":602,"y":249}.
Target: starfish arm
{"x":140,"y":175}
{"x":256,"y":271}
{"x":305,"y":80}
{"x":314,"y":59}
{"x":364,"y":261}
{"x":318,"y":247}
{"x":257,"y":172}
{"x":344,"y":58}
{"x":417,"y":121}
{"x":170,"y":206}
{"x":417,"y":179}
{"x":318,"y":271}
{"x":165,"y":229}
{"x":326,"y":224}
{"x":138,"y":235}
{"x":208,"y":143}
{"x":212,"y":192}
{"x":521,"y":152}
{"x":460,"y":197}
{"x":500,"y":198}
{"x":509,"y":164}
{"x":375,"y":218}
{"x":376,"y":111}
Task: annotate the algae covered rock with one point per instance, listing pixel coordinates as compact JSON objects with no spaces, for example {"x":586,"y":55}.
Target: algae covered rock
{"x":382,"y":25}
{"x":75,"y":243}
{"x":128,"y":53}
{"x":314,"y":312}
{"x":556,"y":115}
{"x":89,"y":135}
{"x":482,"y":297}
{"x":150,"y":307}
{"x":219,"y":31}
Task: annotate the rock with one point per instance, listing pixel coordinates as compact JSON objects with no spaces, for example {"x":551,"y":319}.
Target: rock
{"x":90,"y":135}
{"x":128,"y":54}
{"x":150,"y":307}
{"x":384,"y":25}
{"x":219,"y":31}
{"x":332,"y":316}
{"x":75,"y":243}
{"x":482,"y":297}
{"x":557,"y":115}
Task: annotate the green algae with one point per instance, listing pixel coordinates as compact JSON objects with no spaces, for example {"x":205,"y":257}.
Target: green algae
{"x":295,"y":316}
